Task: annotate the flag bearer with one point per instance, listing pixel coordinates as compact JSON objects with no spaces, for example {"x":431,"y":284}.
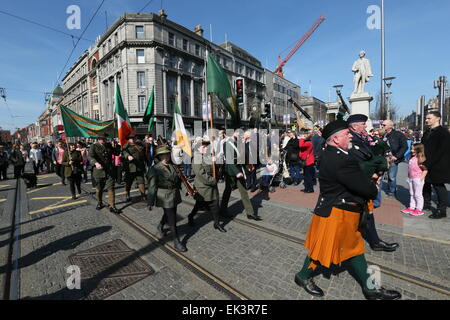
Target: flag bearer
{"x":101,"y":159}
{"x":135,"y":166}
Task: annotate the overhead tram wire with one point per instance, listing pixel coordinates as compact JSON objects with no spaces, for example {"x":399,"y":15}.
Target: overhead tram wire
{"x":76,"y":44}
{"x":148,"y":3}
{"x":43,"y":26}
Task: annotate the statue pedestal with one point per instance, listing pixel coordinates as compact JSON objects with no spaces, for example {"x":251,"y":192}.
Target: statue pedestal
{"x":361,"y":105}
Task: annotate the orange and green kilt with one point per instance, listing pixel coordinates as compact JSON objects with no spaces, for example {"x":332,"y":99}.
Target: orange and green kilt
{"x":334,"y":239}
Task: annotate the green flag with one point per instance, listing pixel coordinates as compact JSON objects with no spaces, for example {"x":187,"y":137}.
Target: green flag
{"x":148,"y":116}
{"x":76,"y":125}
{"x":217,"y":82}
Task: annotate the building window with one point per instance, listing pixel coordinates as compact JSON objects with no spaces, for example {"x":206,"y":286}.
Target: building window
{"x":141,"y":79}
{"x":109,"y":45}
{"x":140,"y":57}
{"x":185,"y":45}
{"x":116,"y":39}
{"x":197,"y":50}
{"x":171,"y":39}
{"x":95,"y":98}
{"x":139,"y":32}
{"x":141,"y":104}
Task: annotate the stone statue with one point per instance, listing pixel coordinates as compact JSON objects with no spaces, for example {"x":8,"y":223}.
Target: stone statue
{"x":362,"y":71}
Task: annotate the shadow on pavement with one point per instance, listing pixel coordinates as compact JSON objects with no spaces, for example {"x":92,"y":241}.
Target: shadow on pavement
{"x":26,"y":235}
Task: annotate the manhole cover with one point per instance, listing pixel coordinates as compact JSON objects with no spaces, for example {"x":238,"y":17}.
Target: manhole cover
{"x":139,"y":205}
{"x":109,"y":268}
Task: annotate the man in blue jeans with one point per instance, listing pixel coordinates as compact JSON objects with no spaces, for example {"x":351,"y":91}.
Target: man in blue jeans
{"x":398,"y":144}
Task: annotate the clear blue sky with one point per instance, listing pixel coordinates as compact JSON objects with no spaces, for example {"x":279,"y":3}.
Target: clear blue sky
{"x":417,"y":46}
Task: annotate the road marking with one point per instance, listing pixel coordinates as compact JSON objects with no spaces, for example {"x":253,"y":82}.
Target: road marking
{"x":2,"y":200}
{"x":49,"y":198}
{"x":4,"y":186}
{"x":47,"y":176}
{"x":122,"y":193}
{"x":39,"y":189}
{"x":58,"y":206}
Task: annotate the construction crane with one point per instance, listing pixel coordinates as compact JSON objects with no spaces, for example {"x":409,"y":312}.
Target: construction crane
{"x":281,"y":63}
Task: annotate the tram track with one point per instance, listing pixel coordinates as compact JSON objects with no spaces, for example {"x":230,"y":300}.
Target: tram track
{"x":210,"y":278}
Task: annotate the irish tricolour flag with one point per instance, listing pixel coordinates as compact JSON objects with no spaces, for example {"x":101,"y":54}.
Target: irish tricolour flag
{"x":180,"y":132}
{"x":123,"y":123}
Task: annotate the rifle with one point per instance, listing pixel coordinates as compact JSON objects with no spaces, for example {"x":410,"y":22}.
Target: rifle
{"x":306,"y":114}
{"x":189,"y":187}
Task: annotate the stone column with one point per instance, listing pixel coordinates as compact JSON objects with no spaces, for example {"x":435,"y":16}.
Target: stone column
{"x":164,"y":85}
{"x":179,"y":91}
{"x":192,"y":98}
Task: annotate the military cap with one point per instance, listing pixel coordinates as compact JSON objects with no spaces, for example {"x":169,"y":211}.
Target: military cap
{"x":103,"y":136}
{"x":131,"y":136}
{"x":357,"y":118}
{"x":162,"y":149}
{"x":334,"y":127}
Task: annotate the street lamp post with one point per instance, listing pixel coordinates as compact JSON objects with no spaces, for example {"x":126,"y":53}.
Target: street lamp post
{"x":388,"y":82}
{"x":441,"y":84}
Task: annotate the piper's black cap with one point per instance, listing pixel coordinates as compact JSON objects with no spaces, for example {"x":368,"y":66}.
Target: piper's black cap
{"x":357,"y":118}
{"x":334,"y":127}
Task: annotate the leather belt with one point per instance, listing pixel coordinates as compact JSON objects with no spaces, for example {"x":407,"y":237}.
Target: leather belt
{"x":350,"y":206}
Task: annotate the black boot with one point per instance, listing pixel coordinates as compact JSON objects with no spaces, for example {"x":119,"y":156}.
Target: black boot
{"x":254,"y":217}
{"x":100,"y":206}
{"x":160,"y":228}
{"x":179,"y":246}
{"x":381,"y":294}
{"x":191,"y":220}
{"x":114,"y":210}
{"x":383,"y":246}
{"x":309,"y":286}
{"x":219,"y":227}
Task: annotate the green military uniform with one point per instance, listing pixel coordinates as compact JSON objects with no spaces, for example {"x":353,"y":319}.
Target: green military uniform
{"x":164,"y":186}
{"x":134,"y":169}
{"x":102,"y":154}
{"x":208,"y":192}
{"x":73,"y":171}
{"x":77,"y":159}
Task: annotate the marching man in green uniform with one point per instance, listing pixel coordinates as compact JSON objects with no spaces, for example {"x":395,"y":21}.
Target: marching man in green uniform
{"x":206,"y":185}
{"x":164,"y":186}
{"x":101,"y":159}
{"x":135,"y":168}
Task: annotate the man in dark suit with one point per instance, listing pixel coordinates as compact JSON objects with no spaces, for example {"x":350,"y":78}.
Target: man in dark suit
{"x":333,"y":237}
{"x":437,"y":152}
{"x":361,"y":151}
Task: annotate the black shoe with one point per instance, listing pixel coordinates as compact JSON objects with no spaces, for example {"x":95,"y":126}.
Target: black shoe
{"x":74,"y":197}
{"x":254,"y":217}
{"x":160,"y":228}
{"x":253,"y":189}
{"x":128,"y":199}
{"x":114,"y":210}
{"x":383,"y":246}
{"x":179,"y":246}
{"x":219,"y":227}
{"x":100,"y":206}
{"x":309,"y":286}
{"x":436,"y":216}
{"x":382,"y":294}
{"x":426,"y":207}
{"x":191,"y":221}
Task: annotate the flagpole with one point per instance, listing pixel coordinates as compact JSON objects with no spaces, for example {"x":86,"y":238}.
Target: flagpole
{"x":212,"y":137}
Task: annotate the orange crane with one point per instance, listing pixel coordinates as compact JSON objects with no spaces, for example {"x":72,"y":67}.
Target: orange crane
{"x":281,"y":63}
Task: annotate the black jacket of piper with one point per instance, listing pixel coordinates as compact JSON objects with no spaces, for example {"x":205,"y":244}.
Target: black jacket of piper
{"x":341,"y":178}
{"x":361,"y":149}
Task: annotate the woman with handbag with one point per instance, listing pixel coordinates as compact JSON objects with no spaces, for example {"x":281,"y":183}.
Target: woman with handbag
{"x":308,"y":160}
{"x":72,"y":162}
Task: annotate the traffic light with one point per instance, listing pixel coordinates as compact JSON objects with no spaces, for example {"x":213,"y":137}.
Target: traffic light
{"x":239,"y":91}
{"x":267,"y":113}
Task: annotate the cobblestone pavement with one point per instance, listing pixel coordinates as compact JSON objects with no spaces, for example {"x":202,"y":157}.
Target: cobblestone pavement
{"x":260,"y":265}
{"x":50,"y":237}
